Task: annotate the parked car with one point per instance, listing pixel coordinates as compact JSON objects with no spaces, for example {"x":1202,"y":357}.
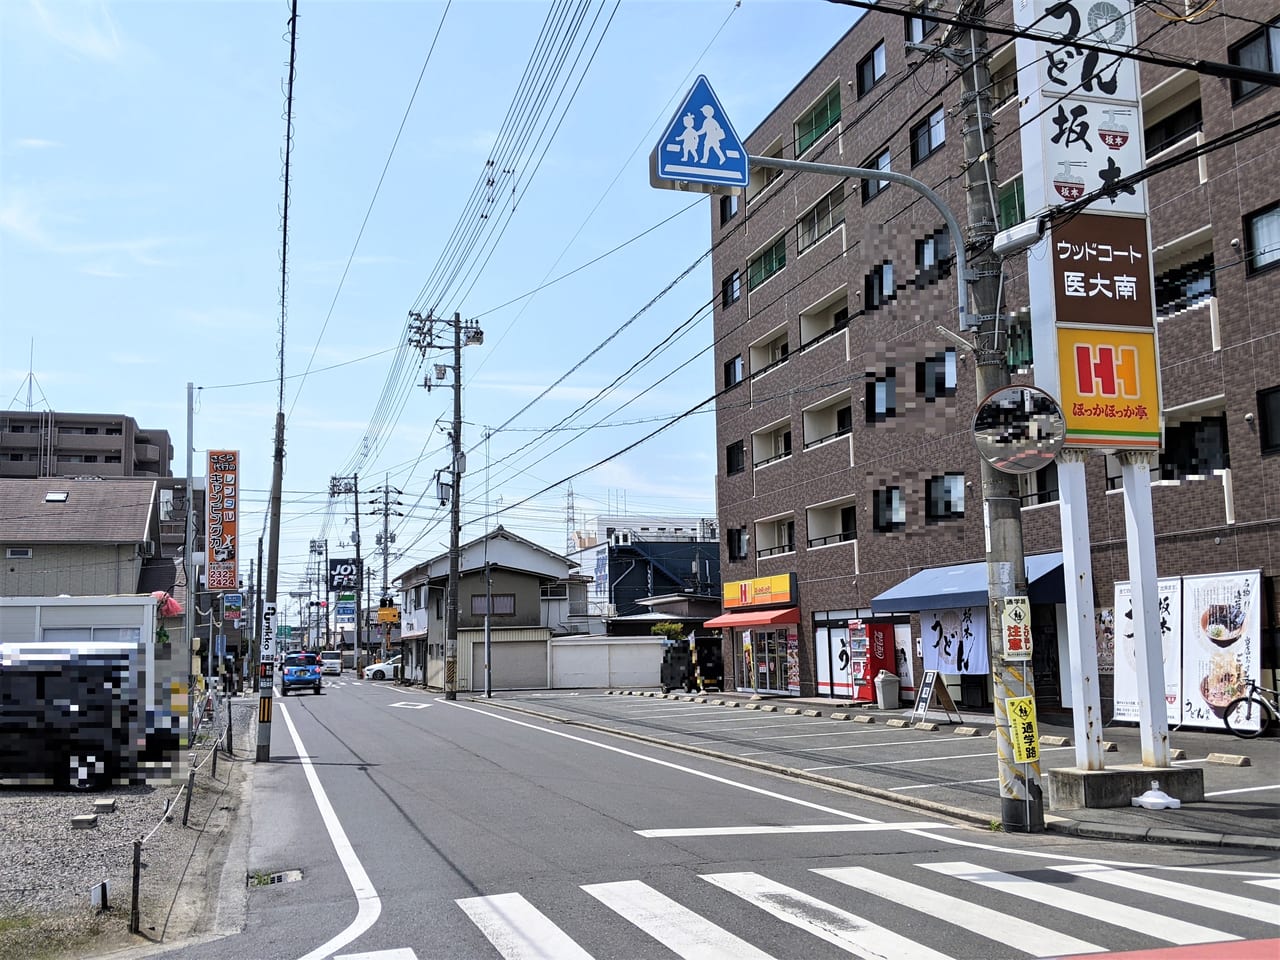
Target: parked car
{"x":300,"y":670}
{"x":380,"y":671}
{"x":331,"y":661}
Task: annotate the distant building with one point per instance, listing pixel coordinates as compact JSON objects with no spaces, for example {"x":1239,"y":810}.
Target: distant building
{"x":41,"y":443}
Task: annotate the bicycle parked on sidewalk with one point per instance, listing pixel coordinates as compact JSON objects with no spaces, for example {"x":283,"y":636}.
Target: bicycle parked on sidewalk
{"x":1250,"y":715}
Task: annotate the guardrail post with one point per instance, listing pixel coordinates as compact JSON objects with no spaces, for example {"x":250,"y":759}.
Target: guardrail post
{"x":229,"y":750}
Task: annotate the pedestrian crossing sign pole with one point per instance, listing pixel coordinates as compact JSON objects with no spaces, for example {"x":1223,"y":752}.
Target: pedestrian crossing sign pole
{"x":699,"y":149}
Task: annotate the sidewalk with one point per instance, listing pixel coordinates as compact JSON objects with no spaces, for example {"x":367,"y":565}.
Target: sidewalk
{"x":1241,"y":777}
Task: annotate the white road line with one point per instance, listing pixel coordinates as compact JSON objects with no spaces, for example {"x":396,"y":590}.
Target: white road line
{"x":401,"y":953}
{"x":673,"y":925}
{"x":1273,"y":884}
{"x":865,"y":745}
{"x":1223,"y":793}
{"x":890,"y":763}
{"x":846,"y":930}
{"x":520,"y":931}
{"x":1234,"y":872}
{"x":789,"y":829}
{"x":1004,"y":928}
{"x":759,"y":791}
{"x":1168,"y":929}
{"x":368,"y":904}
{"x":949,"y":783}
{"x":1182,"y":892}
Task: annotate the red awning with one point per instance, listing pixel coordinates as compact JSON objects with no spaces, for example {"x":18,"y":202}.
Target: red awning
{"x":755,"y":618}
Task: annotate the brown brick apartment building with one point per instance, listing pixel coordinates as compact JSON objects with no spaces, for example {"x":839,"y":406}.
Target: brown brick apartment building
{"x":843,"y":419}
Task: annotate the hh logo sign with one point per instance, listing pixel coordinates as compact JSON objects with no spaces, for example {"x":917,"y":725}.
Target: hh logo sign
{"x":1107,"y":370}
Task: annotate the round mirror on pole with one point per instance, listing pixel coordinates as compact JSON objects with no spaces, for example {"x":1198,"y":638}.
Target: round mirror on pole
{"x":1019,"y":429}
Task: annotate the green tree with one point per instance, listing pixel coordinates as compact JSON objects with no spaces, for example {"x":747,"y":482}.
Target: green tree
{"x":674,"y":632}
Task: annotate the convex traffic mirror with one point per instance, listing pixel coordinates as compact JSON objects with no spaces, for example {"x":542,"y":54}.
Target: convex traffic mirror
{"x":1019,"y":429}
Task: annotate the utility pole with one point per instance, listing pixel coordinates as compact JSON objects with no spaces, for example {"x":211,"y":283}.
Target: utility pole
{"x":423,"y":336}
{"x":1021,"y":799}
{"x":385,"y":539}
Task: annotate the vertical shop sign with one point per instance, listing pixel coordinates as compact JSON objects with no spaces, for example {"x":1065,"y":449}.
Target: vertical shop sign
{"x":221,"y":566}
{"x":1222,"y":637}
{"x":1169,"y":603}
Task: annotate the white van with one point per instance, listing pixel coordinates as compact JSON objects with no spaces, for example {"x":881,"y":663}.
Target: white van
{"x":331,"y":661}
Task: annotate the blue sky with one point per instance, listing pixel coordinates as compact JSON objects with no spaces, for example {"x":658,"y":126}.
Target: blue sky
{"x":141,"y":151}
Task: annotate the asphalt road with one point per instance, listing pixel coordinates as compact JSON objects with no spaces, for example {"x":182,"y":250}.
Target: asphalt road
{"x":427,"y":829}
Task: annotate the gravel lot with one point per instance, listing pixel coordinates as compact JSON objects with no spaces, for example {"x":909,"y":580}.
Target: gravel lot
{"x":49,"y":868}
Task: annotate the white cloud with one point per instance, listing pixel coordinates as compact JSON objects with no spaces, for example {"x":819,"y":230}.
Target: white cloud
{"x":23,"y":218}
{"x":36,"y":143}
{"x":84,"y":27}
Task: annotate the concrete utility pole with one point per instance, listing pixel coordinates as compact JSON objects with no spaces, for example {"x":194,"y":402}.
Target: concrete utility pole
{"x":423,"y":336}
{"x":1021,"y":798}
{"x":1021,"y":802}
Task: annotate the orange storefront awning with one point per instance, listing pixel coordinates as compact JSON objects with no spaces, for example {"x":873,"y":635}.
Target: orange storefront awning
{"x":755,"y":618}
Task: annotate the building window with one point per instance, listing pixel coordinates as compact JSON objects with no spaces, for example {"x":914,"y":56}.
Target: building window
{"x":736,"y":541}
{"x":731,"y":288}
{"x":1039,"y":486}
{"x":944,"y":498}
{"x":931,"y":253}
{"x":1263,"y":230}
{"x":1185,"y":287}
{"x":1195,"y":448}
{"x":1013,"y":208}
{"x":776,"y":537}
{"x":735,"y":459}
{"x":111,"y":458}
{"x":928,"y":135}
{"x":770,"y":446}
{"x":17,"y":553}
{"x":1258,"y":51}
{"x":1269,"y":419}
{"x":825,"y":216}
{"x":879,"y":286}
{"x":871,"y":69}
{"x":824,"y":115}
{"x":1004,"y":83}
{"x":936,"y":376}
{"x":917,"y":28}
{"x":504,"y":605}
{"x":1177,"y":126}
{"x":767,"y":263}
{"x":733,"y":371}
{"x":889,"y":510}
{"x":728,"y":207}
{"x":882,"y":396}
{"x":871,"y":188}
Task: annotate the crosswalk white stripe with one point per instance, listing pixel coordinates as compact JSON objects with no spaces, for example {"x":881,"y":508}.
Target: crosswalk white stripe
{"x":840,"y":927}
{"x":1164,"y":928}
{"x":675,"y":926}
{"x":1182,"y":892}
{"x":1010,"y":930}
{"x":519,"y":930}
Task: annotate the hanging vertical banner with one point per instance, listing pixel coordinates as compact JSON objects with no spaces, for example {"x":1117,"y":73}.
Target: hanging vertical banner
{"x":1222,"y":642}
{"x":1169,"y":603}
{"x":222,"y":569}
{"x":955,"y":641}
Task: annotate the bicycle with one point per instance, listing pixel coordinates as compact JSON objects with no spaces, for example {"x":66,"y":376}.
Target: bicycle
{"x":1252,"y":708}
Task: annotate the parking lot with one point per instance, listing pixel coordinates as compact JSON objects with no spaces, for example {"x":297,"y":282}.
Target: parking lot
{"x":952,"y":765}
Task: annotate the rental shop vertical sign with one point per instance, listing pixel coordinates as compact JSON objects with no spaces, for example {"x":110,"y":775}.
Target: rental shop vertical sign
{"x":222,"y":569}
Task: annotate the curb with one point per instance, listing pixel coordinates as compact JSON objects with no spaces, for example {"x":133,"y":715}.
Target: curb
{"x":1053,"y":823}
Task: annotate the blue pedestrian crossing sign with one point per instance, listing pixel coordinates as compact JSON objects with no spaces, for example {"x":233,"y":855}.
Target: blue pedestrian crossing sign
{"x":699,"y":150}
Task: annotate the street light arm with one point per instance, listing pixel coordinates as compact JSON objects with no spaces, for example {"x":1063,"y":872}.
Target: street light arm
{"x":866,"y":173}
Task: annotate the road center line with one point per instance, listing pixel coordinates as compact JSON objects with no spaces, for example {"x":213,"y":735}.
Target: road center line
{"x":789,"y":828}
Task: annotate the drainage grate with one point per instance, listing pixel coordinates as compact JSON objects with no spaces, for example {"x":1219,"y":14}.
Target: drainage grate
{"x":270,"y":879}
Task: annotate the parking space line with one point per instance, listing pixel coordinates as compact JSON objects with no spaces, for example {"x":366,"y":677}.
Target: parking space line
{"x":949,"y":783}
{"x":1223,"y":793}
{"x":860,"y":746}
{"x":890,"y":763}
